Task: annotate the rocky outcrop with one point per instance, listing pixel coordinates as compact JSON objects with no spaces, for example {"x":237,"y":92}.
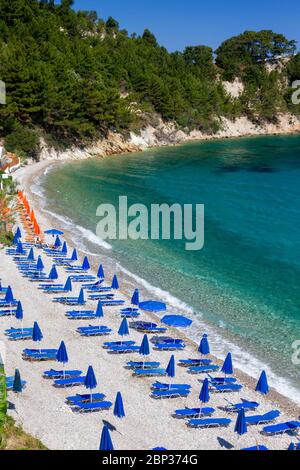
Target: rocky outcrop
{"x":161,"y":134}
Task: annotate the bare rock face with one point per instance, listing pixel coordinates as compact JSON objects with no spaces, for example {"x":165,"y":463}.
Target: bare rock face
{"x":113,"y":144}
{"x":160,"y":133}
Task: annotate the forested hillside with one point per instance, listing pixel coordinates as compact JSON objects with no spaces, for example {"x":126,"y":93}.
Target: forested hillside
{"x":71,"y":77}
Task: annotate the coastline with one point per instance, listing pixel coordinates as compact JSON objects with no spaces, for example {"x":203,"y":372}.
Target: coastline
{"x":27,"y":177}
{"x":164,"y":134}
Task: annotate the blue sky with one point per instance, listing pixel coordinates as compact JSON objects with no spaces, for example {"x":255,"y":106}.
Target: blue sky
{"x":177,"y":24}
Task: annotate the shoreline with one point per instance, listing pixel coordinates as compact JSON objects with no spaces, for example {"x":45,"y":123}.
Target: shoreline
{"x":286,"y":403}
{"x":167,"y":134}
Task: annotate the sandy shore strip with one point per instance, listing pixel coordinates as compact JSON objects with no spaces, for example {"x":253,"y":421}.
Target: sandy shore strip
{"x":41,"y":408}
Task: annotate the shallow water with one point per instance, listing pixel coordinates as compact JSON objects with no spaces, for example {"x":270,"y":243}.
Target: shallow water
{"x":246,"y":279}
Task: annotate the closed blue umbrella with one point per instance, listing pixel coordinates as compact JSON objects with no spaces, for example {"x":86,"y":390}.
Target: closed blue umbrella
{"x":62,"y":355}
{"x":15,"y":239}
{"x":262,"y":385}
{"x":81,"y":300}
{"x":30,"y":256}
{"x":9,"y":297}
{"x":135,"y":300}
{"x":17,"y":383}
{"x":19,"y":314}
{"x":124,"y":330}
{"x":99,"y":310}
{"x":145,"y":348}
{"x":18,"y":233}
{"x":57,"y":243}
{"x":227,"y":366}
{"x":53,"y":273}
{"x":119,"y":407}
{"x":85,"y":264}
{"x":241,"y":425}
{"x":204,"y":346}
{"x":36,"y":333}
{"x":90,"y":380}
{"x":68,"y":285}
{"x":204,"y":393}
{"x":74,"y":256}
{"x":64,"y":250}
{"x":19,"y":311}
{"x":39,"y":264}
{"x":115,"y":283}
{"x":100,"y":273}
{"x":19,"y":249}
{"x":292,"y":446}
{"x":106,"y":442}
{"x":171,"y":367}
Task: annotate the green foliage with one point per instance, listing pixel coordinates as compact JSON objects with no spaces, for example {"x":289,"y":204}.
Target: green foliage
{"x":22,"y":141}
{"x":73,"y":77}
{"x":293,"y":68}
{"x":251,"y":48}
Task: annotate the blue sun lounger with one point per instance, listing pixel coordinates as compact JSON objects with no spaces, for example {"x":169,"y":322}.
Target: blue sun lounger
{"x":4,"y":304}
{"x":123,"y":349}
{"x":129,"y":313}
{"x":113,"y":344}
{"x":246,"y":405}
{"x":101,"y":290}
{"x":194,"y":362}
{"x":193,"y":412}
{"x":19,"y":336}
{"x":176,"y":393}
{"x":93,"y":330}
{"x":81,"y":315}
{"x":203,"y":369}
{"x":149,"y":372}
{"x":69,"y":301}
{"x":60,"y":374}
{"x":70,"y":382}
{"x":166,"y":340}
{"x":263,"y":419}
{"x":54,"y":289}
{"x":10,"y":383}
{"x":7,"y":313}
{"x":209,"y":423}
{"x":162,"y":386}
{"x":109,"y":303}
{"x":169,"y":347}
{"x":95,"y":285}
{"x":82,"y":278}
{"x":93,"y":407}
{"x":87,"y":398}
{"x":281,"y":428}
{"x":142,"y":365}
{"x":259,"y":447}
{"x":225,"y":388}
{"x":40,"y":354}
{"x":147,"y":327}
{"x":221,"y":380}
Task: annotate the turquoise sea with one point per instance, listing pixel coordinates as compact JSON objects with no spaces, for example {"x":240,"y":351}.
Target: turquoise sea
{"x":244,"y":284}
